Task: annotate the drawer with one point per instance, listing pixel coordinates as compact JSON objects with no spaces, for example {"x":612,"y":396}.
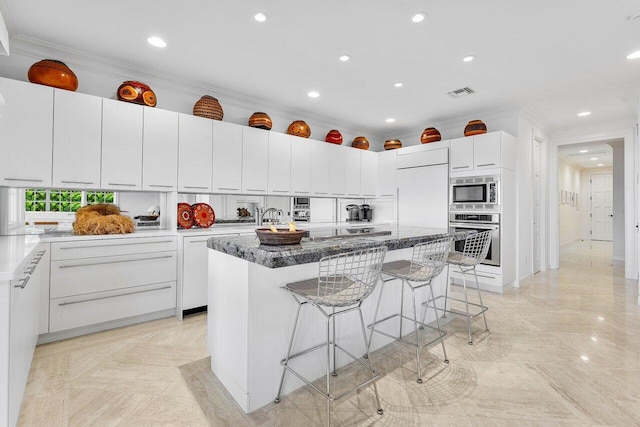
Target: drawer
{"x":424,"y":158}
{"x":88,"y":275}
{"x":487,"y":281}
{"x":85,"y":310}
{"x":108,"y":247}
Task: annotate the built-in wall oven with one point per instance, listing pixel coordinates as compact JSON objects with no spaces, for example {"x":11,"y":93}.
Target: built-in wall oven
{"x":301,"y":209}
{"x":477,"y":221}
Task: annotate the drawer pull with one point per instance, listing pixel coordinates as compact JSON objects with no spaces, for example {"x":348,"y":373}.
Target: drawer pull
{"x":23,"y":282}
{"x":113,"y":296}
{"x":118,"y":244}
{"x":161,"y":186}
{"x":254,"y":189}
{"x":196,"y":187}
{"x":123,"y":185}
{"x":460,"y":167}
{"x":227,"y":188}
{"x":201,"y":241}
{"x":31,"y":270}
{"x":280,"y":191}
{"x":487,"y":164}
{"x":23,"y":179}
{"x":76,"y":182}
{"x":318,"y":192}
{"x":114,"y":262}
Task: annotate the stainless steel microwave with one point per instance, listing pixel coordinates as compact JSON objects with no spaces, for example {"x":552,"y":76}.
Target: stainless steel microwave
{"x":482,"y":190}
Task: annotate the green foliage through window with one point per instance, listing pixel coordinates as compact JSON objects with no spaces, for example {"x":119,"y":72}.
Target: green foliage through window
{"x":40,"y":200}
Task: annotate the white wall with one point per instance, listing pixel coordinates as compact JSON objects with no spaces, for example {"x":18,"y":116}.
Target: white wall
{"x":569,"y":181}
{"x":618,"y":201}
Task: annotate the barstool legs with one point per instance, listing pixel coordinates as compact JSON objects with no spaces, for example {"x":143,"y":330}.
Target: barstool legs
{"x":286,"y":360}
{"x":484,"y":317}
{"x":466,"y":303}
{"x":415,"y":324}
{"x":435,"y":310}
{"x":446,"y":293}
{"x":366,"y":345}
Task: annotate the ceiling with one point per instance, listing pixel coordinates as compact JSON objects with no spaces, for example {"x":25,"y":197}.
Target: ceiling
{"x":552,"y":59}
{"x":589,"y":154}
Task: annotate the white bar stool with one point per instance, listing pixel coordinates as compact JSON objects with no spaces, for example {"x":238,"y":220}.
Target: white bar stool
{"x":343,"y":282}
{"x":427,"y":262}
{"x":475,"y":250}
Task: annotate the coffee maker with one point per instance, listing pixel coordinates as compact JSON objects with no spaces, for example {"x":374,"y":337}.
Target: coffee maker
{"x":359,"y":212}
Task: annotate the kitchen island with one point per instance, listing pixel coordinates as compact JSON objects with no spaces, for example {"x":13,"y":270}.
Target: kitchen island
{"x":250,"y":317}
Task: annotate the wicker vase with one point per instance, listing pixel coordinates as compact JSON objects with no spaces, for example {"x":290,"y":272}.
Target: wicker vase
{"x":392,"y":144}
{"x":430,"y":135}
{"x":299,"y":128}
{"x":208,"y":107}
{"x":137,"y":93}
{"x":260,"y":120}
{"x":475,"y":127}
{"x":360,"y":142}
{"x":50,"y":72}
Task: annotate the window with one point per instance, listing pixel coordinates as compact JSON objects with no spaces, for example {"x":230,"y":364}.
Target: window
{"x":41,"y":200}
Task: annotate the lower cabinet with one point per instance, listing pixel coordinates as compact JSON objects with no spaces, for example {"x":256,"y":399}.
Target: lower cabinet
{"x":100,"y":281}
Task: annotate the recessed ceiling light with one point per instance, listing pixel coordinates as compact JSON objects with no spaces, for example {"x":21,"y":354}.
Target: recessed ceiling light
{"x":583,"y":151}
{"x":345,"y":57}
{"x":634,"y":55}
{"x":313,"y":94}
{"x":600,"y":164}
{"x":397,"y":84}
{"x":468,"y":58}
{"x":260,"y":16}
{"x":418,"y":17}
{"x":584,"y":114}
{"x":593,"y":158}
{"x":390,"y":120}
{"x":157,"y":42}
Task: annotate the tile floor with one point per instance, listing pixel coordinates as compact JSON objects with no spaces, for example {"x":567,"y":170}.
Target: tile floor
{"x":564,"y":350}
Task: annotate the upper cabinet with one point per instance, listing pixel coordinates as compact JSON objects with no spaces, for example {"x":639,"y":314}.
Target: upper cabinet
{"x":485,"y":151}
{"x":121,"y":145}
{"x":320,"y":168}
{"x":279,"y":178}
{"x":195,"y":138}
{"x":77,"y":134}
{"x":338,"y":170}
{"x":255,"y":160}
{"x":387,"y":183}
{"x":300,"y":165}
{"x":369,"y":173}
{"x":160,"y":150}
{"x":26,"y":122}
{"x":227,"y":157}
{"x":353,"y":168}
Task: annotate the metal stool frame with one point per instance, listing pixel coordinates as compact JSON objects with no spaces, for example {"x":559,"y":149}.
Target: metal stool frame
{"x":475,"y":250}
{"x":344,"y":281}
{"x":427,"y":262}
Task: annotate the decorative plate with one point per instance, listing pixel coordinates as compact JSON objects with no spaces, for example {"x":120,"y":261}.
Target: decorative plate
{"x":203,"y":215}
{"x":185,"y":215}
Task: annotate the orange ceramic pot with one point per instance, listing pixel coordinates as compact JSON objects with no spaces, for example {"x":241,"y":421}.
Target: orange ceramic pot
{"x":137,"y":93}
{"x":430,"y":135}
{"x":50,"y":72}
{"x":299,"y":128}
{"x":475,"y":127}
{"x":392,"y":144}
{"x":360,"y":142}
{"x":260,"y":120}
{"x":208,"y":107}
{"x":334,"y":137}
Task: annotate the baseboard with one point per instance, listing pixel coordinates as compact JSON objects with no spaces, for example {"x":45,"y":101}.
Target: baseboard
{"x":618,"y":259}
{"x":569,"y":242}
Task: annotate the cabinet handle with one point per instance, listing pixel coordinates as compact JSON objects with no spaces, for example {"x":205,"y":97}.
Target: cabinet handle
{"x":301,"y":192}
{"x":23,"y":282}
{"x":108,"y":246}
{"x":41,"y":253}
{"x":122,"y":185}
{"x":113,"y":296}
{"x":199,"y":241}
{"x":23,"y":179}
{"x":487,"y":164}
{"x":318,"y":192}
{"x":254,"y":189}
{"x":114,"y":262}
{"x":196,"y":187}
{"x":227,"y":188}
{"x":460,"y":167}
{"x":31,"y":269}
{"x":76,"y":182}
{"x":161,"y":186}
{"x":280,"y":191}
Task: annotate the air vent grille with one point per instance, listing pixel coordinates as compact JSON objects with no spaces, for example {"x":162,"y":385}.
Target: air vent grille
{"x":459,"y":93}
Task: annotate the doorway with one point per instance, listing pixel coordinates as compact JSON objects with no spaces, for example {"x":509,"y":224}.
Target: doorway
{"x":601,"y":207}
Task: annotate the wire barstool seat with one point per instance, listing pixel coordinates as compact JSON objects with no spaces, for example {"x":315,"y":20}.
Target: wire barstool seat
{"x":344,"y":281}
{"x":427,"y":262}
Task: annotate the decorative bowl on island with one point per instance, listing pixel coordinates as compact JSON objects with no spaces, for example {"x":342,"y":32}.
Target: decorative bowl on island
{"x":282,"y":237}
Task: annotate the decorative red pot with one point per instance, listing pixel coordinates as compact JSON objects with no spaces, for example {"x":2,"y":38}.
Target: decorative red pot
{"x":299,"y":128}
{"x":51,"y":72}
{"x":430,"y":135}
{"x":137,"y":93}
{"x":475,"y":127}
{"x":334,"y":137}
{"x":360,"y":142}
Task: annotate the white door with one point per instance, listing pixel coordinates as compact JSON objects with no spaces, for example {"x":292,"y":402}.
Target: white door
{"x":536,"y":206}
{"x":602,"y":207}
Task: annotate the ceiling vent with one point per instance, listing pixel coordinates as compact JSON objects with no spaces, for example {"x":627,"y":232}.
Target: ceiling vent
{"x":460,"y":93}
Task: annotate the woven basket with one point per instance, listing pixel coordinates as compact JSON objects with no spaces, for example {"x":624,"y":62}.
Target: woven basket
{"x":208,"y":107}
{"x":430,"y":135}
{"x":282,"y":237}
{"x":392,"y":144}
{"x":260,"y":120}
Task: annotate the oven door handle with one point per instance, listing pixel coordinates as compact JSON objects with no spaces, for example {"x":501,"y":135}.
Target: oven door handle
{"x":474,"y":225}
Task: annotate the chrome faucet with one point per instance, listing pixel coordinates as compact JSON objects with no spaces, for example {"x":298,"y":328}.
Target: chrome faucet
{"x":262,"y":212}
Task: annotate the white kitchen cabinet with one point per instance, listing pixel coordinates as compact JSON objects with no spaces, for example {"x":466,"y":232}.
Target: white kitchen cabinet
{"x":320,"y":155}
{"x":461,"y":154}
{"x":301,"y":162}
{"x":195,"y":151}
{"x":338,"y":170}
{"x":369,"y":173}
{"x":77,"y":140}
{"x":387,"y":185}
{"x":227,"y":157}
{"x":26,"y":140}
{"x":255,"y":160}
{"x":279,"y":179}
{"x":423,"y":199}
{"x":41,"y":277}
{"x":160,"y":150}
{"x":353,"y":168}
{"x":121,"y":145}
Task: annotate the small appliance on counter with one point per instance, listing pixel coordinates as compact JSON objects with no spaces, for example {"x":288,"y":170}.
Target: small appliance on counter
{"x":301,"y":209}
{"x":363,"y":213}
{"x":149,"y":221}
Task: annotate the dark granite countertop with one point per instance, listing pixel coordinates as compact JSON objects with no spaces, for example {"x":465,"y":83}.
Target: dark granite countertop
{"x":325,"y":242}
